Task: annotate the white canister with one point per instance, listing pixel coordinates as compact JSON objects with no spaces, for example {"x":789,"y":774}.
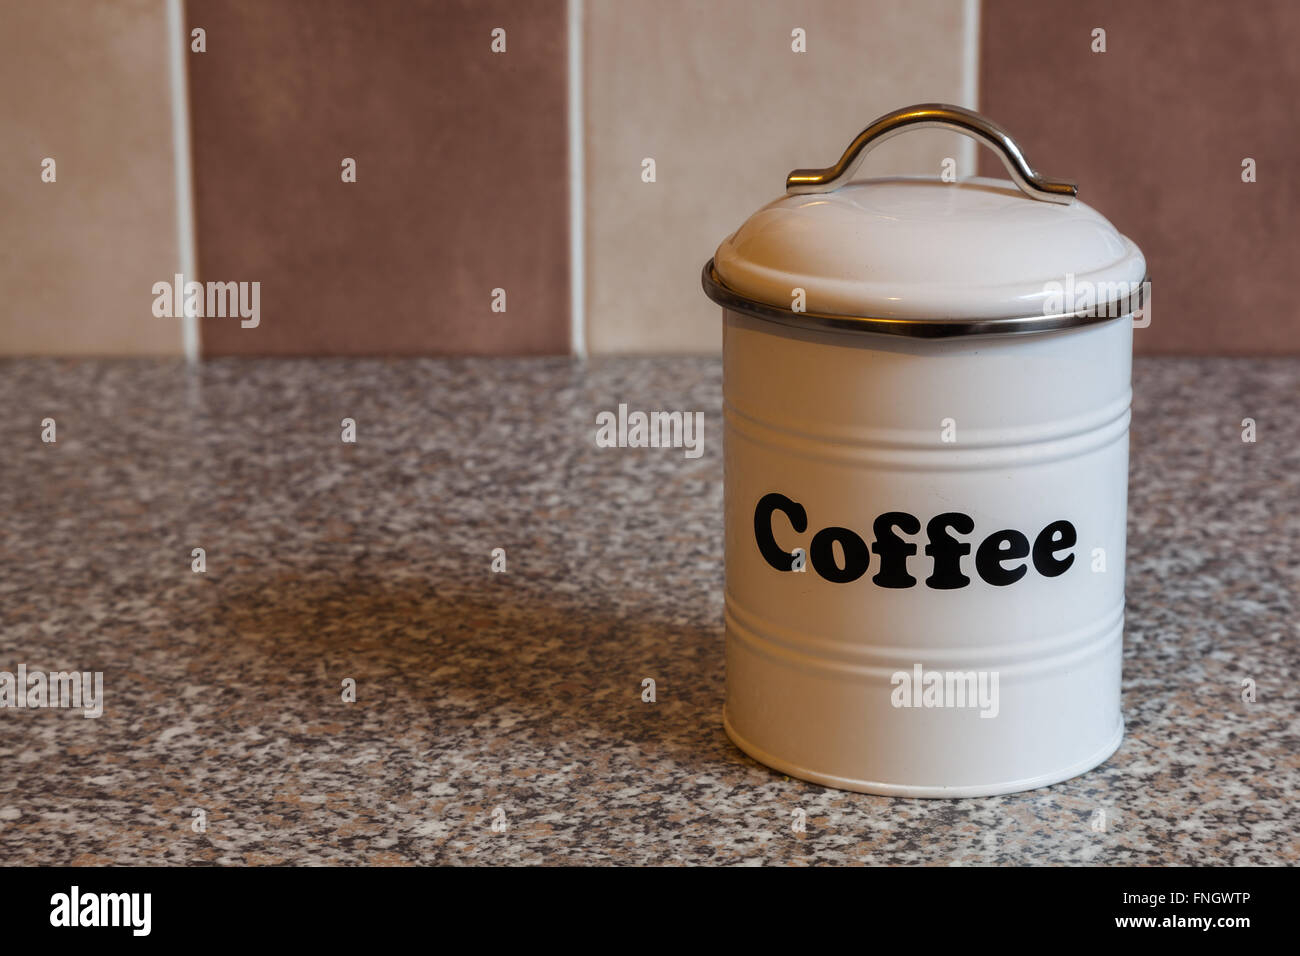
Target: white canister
{"x":927,"y":388}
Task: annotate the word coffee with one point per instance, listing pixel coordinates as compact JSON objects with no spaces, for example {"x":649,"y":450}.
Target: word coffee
{"x":999,"y":559}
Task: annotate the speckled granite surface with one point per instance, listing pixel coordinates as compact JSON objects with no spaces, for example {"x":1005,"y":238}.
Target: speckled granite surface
{"x":522,"y":690}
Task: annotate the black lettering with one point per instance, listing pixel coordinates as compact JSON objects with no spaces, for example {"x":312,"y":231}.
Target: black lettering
{"x":991,"y":555}
{"x":893,"y":550}
{"x":856,"y":556}
{"x":947,"y":551}
{"x":767,"y":546}
{"x":1047,"y":544}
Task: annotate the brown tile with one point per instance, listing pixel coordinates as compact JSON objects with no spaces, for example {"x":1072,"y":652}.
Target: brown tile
{"x":86,"y":84}
{"x":461,"y":174}
{"x":1155,"y":130}
{"x":715,"y":95}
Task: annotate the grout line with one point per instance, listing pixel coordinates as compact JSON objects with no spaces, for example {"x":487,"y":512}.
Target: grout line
{"x":577,"y":190}
{"x":178,"y":44}
{"x":970,"y":78}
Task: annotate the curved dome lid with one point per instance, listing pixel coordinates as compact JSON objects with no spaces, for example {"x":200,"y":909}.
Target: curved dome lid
{"x":919,"y":256}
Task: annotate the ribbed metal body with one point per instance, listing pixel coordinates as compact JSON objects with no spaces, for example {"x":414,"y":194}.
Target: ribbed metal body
{"x":868,"y":460}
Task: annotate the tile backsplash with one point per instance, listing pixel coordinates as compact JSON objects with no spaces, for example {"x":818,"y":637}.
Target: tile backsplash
{"x":716,"y":94}
{"x":461,"y":184}
{"x":457,"y":234}
{"x":1154,"y":117}
{"x":85,"y":237}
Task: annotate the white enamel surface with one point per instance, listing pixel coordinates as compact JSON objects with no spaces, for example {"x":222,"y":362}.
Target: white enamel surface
{"x":921,"y":248}
{"x":850,"y":426}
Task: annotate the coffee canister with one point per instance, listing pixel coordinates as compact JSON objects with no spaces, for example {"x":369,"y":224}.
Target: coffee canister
{"x":926,"y":404}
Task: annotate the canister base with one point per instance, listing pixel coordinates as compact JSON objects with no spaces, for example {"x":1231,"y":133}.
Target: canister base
{"x":903,"y":790}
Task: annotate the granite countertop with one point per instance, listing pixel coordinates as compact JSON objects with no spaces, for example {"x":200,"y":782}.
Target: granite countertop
{"x":522,"y":691}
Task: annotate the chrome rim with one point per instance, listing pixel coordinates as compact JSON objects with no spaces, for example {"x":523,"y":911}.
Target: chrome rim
{"x":1108,"y":311}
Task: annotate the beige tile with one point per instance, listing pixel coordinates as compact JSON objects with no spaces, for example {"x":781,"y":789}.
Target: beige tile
{"x":86,"y":84}
{"x":715,"y":95}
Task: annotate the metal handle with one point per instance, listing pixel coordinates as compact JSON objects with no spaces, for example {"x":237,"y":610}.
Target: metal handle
{"x":934,"y":116}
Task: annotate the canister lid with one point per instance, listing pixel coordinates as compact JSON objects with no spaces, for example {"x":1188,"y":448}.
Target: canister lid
{"x":920,"y":256}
